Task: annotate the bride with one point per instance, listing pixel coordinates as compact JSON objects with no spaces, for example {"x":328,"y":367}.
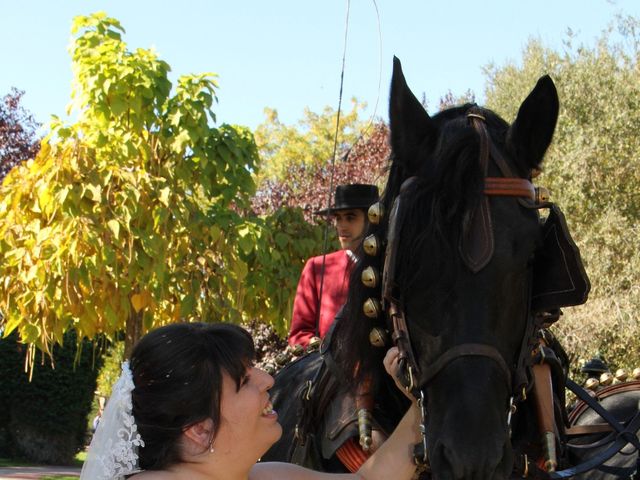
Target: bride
{"x":190,"y":405}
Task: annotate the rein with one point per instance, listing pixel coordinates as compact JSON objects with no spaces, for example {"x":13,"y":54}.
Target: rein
{"x":325,"y":241}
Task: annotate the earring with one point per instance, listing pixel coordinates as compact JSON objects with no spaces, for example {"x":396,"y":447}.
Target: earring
{"x":211,"y":449}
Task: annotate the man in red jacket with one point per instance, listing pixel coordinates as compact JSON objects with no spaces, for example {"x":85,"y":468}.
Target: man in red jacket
{"x":313,"y":316}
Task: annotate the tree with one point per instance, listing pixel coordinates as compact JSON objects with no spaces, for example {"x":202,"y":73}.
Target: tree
{"x":592,"y":170}
{"x":298,"y":158}
{"x":296,"y":183}
{"x":287,"y":200}
{"x":18,"y":140}
{"x":309,"y":143}
{"x":134,"y":215}
{"x":450,"y":100}
{"x":306,"y":185}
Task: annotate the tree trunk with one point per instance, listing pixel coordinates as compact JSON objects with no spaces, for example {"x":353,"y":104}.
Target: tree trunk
{"x":133,"y":332}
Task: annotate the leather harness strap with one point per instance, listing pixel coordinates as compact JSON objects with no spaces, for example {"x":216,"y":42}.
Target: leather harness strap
{"x":601,"y":395}
{"x":476,"y":243}
{"x":588,"y":429}
{"x":467,"y":350}
{"x":402,"y":340}
{"x":509,"y":187}
{"x":625,"y":434}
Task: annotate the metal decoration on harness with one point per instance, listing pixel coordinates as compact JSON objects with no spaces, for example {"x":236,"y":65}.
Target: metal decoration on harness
{"x":543,"y":398}
{"x":370,"y":277}
{"x":371,"y":245}
{"x":375,"y":213}
{"x":364,"y":407}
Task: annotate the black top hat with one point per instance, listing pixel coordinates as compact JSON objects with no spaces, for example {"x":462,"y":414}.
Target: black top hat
{"x":595,"y":366}
{"x":356,"y":195}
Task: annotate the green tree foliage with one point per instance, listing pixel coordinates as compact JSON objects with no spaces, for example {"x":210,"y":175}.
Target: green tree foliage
{"x":133,"y":216}
{"x":307,"y":144}
{"x":592,"y":171}
{"x":44,"y":419}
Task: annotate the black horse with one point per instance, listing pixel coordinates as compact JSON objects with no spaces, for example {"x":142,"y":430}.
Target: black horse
{"x":463,"y":269}
{"x":456,"y":276}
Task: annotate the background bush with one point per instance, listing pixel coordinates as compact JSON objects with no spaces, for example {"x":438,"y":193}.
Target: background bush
{"x":45,"y":419}
{"x":592,"y":170}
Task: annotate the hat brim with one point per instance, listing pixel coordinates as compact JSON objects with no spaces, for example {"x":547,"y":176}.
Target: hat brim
{"x":329,"y":211}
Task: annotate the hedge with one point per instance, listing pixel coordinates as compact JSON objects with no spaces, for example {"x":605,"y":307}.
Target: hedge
{"x":45,"y":420}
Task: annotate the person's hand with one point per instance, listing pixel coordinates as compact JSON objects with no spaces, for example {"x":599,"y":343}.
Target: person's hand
{"x":391,"y":364}
{"x":390,"y":361}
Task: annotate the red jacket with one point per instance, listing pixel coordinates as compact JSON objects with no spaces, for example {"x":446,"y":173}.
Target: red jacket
{"x":334,"y":294}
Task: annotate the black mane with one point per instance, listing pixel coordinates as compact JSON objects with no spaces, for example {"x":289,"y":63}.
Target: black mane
{"x":448,"y":184}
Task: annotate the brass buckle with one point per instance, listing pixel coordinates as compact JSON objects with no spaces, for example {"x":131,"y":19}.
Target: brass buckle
{"x":411,"y":381}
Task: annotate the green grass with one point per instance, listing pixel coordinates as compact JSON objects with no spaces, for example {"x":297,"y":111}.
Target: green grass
{"x":13,"y":462}
{"x":19,"y":462}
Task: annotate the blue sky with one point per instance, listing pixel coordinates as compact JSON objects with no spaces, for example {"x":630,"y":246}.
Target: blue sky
{"x":287,"y":54}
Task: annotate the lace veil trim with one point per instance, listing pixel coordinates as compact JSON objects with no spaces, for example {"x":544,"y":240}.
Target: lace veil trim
{"x":113,"y":452}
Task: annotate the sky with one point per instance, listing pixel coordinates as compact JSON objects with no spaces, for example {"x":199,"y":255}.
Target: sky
{"x":287,"y":54}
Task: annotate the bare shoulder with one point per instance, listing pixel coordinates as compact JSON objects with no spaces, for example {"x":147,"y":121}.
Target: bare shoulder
{"x":152,"y":475}
{"x":288,"y":471}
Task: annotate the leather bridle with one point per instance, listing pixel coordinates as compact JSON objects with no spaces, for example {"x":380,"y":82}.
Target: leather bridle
{"x":477,"y":250}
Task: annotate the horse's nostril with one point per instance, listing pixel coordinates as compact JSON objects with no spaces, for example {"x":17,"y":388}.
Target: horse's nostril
{"x":451,"y":462}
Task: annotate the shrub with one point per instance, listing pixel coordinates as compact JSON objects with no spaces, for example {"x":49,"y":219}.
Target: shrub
{"x":592,"y":172}
{"x":603,"y":326}
{"x":45,"y":419}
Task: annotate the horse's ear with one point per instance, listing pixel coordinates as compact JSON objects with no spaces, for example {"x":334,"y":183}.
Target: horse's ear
{"x":531,"y":133}
{"x":409,"y":122}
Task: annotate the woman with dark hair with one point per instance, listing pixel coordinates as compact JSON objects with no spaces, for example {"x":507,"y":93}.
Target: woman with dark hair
{"x":191,"y":405}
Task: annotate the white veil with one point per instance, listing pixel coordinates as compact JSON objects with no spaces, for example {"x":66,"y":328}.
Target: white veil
{"x":113,"y":452}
